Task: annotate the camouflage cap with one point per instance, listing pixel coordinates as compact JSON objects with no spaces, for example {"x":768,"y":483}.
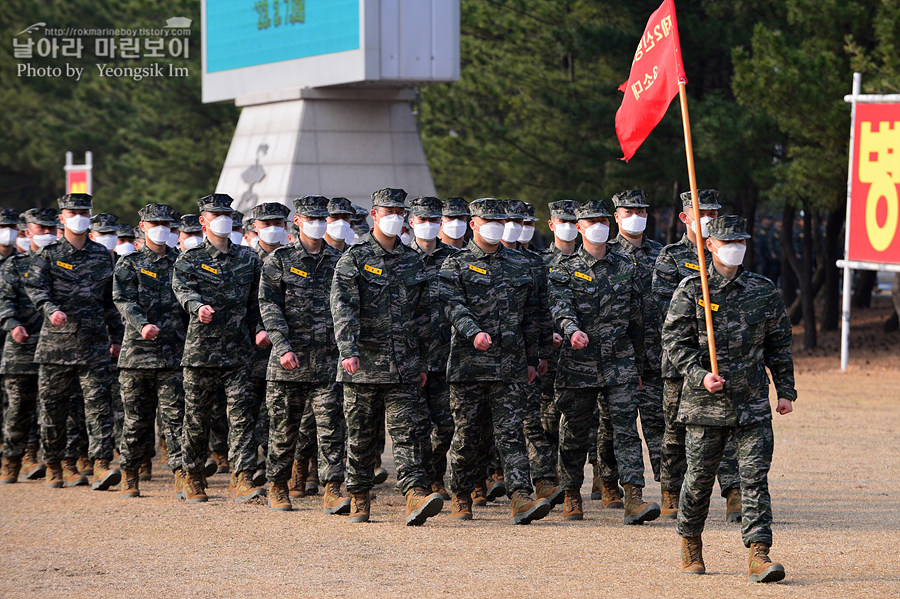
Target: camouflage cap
{"x":138,"y":232}
{"x":104,"y":222}
{"x":529,"y":213}
{"x":270,"y":211}
{"x":9,"y":216}
{"x":22,"y":224}
{"x":215,"y":202}
{"x":76,"y":201}
{"x":157,"y":213}
{"x":190,"y":223}
{"x":563,"y":210}
{"x":455,"y":207}
{"x":312,"y":206}
{"x":237,"y":219}
{"x":248,"y":225}
{"x":516,"y":209}
{"x":592,"y":209}
{"x":709,"y":199}
{"x":362,"y":227}
{"x":176,"y":219}
{"x":489,"y":209}
{"x":338,"y":206}
{"x":126,"y":231}
{"x":633,"y":198}
{"x":361,"y":213}
{"x":426,"y":207}
{"x":46,"y":217}
{"x":389,"y":198}
{"x":730,"y":227}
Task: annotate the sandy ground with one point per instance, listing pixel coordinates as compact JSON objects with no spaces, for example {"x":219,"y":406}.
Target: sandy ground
{"x":833,"y":484}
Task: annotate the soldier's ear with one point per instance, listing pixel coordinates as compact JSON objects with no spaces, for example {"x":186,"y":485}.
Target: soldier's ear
{"x":683,"y":217}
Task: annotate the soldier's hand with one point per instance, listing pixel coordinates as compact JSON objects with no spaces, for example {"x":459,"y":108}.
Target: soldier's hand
{"x":482,"y":341}
{"x":205,"y":314}
{"x":289,"y":361}
{"x":262,"y":339}
{"x":531,"y":373}
{"x":713,"y":382}
{"x":351,"y":365}
{"x":115,"y":349}
{"x":579,"y":340}
{"x":543,"y":367}
{"x":785,"y":406}
{"x":557,"y":340}
{"x":19,"y":334}
{"x":424,"y":377}
{"x":58,"y":318}
{"x":149,"y":331}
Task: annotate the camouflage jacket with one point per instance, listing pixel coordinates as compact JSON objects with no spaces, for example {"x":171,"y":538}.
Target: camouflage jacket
{"x":260,"y":354}
{"x":545,"y":335}
{"x":675,"y":262}
{"x":602,"y":299}
{"x":439,"y":330}
{"x":17,"y":310}
{"x":79,"y":283}
{"x":380,"y":307}
{"x":644,"y":259}
{"x":551,"y":256}
{"x":496,"y":294}
{"x":229,"y":282}
{"x":294,"y":297}
{"x":142,"y":290}
{"x":752,"y":332}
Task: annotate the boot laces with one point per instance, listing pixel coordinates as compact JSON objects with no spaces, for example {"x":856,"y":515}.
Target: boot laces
{"x":761,"y":552}
{"x":693,"y":550}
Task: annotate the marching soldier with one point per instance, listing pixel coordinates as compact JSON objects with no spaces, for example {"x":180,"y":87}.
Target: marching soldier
{"x":454,"y":222}
{"x":191,"y":232}
{"x":338,"y":228}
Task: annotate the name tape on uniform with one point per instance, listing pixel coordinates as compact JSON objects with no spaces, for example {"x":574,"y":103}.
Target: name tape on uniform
{"x":712,"y":306}
{"x":480,"y":271}
{"x":209,"y":269}
{"x":581,"y":275}
{"x":372,"y":269}
{"x":692,"y":266}
{"x":148,"y":273}
{"x":64,"y":265}
{"x":299,"y":272}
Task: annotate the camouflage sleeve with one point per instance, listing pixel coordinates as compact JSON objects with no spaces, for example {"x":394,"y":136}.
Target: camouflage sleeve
{"x":636,"y":323}
{"x":454,"y":300}
{"x":533,"y":326}
{"x":254,"y":321}
{"x":114,"y":327}
{"x":562,"y":303}
{"x":125,"y":295}
{"x":680,"y":336}
{"x":777,"y":348}
{"x":545,"y":338}
{"x":271,"y":305}
{"x":37,"y":285}
{"x":422,"y":320}
{"x":665,"y":280}
{"x":345,"y":306}
{"x":8,"y":312}
{"x":184,"y":286}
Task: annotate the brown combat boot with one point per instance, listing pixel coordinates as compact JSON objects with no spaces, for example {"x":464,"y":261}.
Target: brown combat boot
{"x":54,"y":475}
{"x":597,"y":484}
{"x":71,"y":476}
{"x":359,"y":507}
{"x":245,"y":490}
{"x":145,"y":472}
{"x":525,"y":510}
{"x":461,"y":506}
{"x":32,"y":468}
{"x":439,"y":488}
{"x":609,"y":495}
{"x":194,"y":487}
{"x":179,"y":483}
{"x":9,"y":471}
{"x":334,"y":501}
{"x":279,"y":497}
{"x":312,"y":479}
{"x":297,"y":484}
{"x":479,"y":495}
{"x":546,"y":488}
{"x":221,"y":459}
{"x":669,"y":507}
{"x":163,"y":452}
{"x":573,"y":508}
{"x":692,"y":555}
{"x":496,"y":486}
{"x":763,"y":569}
{"x":638,"y":511}
{"x":421,"y":505}
{"x":733,"y":505}
{"x":85,"y":465}
{"x":130,"y":484}
{"x":105,"y":476}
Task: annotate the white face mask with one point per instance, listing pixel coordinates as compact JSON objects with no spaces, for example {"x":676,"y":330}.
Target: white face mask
{"x":173,"y":239}
{"x":123,"y":249}
{"x":634,"y":224}
{"x":454,"y":229}
{"x":527,"y":234}
{"x":190,"y":242}
{"x":271,"y":235}
{"x":391,"y":225}
{"x":44,"y":240}
{"x":511,"y":232}
{"x":23,"y":243}
{"x":704,"y":226}
{"x":339,"y":230}
{"x":426,"y":231}
{"x":108,"y":241}
{"x":732,"y":254}
{"x":314,"y":229}
{"x":597,"y":233}
{"x":566,"y":232}
{"x":221,"y":226}
{"x":8,"y":236}
{"x":491,"y":232}
{"x":78,"y":224}
{"x":158,"y":234}
{"x":254,"y":242}
{"x":236,"y":237}
{"x":351,"y":236}
{"x":405,"y":238}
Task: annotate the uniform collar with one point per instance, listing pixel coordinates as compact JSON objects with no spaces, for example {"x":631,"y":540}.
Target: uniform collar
{"x":379,"y":249}
{"x":717,"y":281}
{"x":438,"y":248}
{"x":154,"y":257}
{"x":214,"y":251}
{"x":589,"y":259}
{"x":626,"y":245}
{"x":502,"y":251}
{"x":305,"y":253}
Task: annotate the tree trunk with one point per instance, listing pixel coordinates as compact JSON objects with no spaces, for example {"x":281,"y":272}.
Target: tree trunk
{"x":862,"y":289}
{"x":674,"y":221}
{"x":788,"y":278}
{"x":831,"y":313}
{"x":807,"y":296}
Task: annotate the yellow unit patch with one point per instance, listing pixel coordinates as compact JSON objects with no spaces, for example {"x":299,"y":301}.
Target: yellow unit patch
{"x":692,"y":266}
{"x":64,"y":265}
{"x":480,"y":271}
{"x":148,"y":273}
{"x":713,"y":307}
{"x":209,"y":269}
{"x":372,"y":269}
{"x":581,"y":275}
{"x":299,"y":272}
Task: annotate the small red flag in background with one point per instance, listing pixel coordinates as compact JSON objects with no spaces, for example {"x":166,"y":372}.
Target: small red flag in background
{"x":655,"y":74}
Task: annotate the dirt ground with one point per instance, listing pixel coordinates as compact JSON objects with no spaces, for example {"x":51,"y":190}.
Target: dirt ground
{"x":833,"y":484}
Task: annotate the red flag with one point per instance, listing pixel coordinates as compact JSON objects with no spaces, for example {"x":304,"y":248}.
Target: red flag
{"x":655,"y":74}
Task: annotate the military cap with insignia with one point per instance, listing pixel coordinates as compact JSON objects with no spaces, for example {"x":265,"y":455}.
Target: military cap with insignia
{"x":592,"y":209}
{"x":455,"y":207}
{"x":154,"y":212}
{"x":730,"y":227}
{"x":709,"y":199}
{"x":389,"y":198}
{"x":126,"y":231}
{"x":426,"y":207}
{"x":563,"y":210}
{"x":312,"y":206}
{"x":270,"y":211}
{"x":46,"y":217}
{"x":190,"y":223}
{"x":216,"y":202}
{"x":633,"y":198}
{"x":76,"y":201}
{"x":489,"y":209}
{"x":9,"y":216}
{"x":104,"y":222}
{"x":340,"y":206}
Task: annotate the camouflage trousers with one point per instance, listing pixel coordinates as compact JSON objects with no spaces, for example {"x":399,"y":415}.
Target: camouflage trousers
{"x":307,"y":444}
{"x":218,"y":424}
{"x":653,"y":423}
{"x":286,"y":404}
{"x":21,"y":413}
{"x":673,"y":464}
{"x":76,"y":429}
{"x":118,"y":408}
{"x":540,"y":451}
{"x":576,"y":406}
{"x":549,"y":413}
{"x":142,"y":391}
{"x":200,"y":386}
{"x":601,"y":450}
{"x":704,"y":446}
{"x":407,"y":424}
{"x":55,"y":383}
{"x":478,"y":410}
{"x":440,"y":420}
{"x":261,"y":433}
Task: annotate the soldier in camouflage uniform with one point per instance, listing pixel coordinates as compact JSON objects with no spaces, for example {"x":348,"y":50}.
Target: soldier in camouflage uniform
{"x":70,"y":282}
{"x":150,"y":372}
{"x":380,"y":307}
{"x":339,"y":229}
{"x":674,"y":263}
{"x":493,"y":305}
{"x":9,"y":222}
{"x":454,"y":222}
{"x":217,"y":284}
{"x":22,"y":324}
{"x":595,"y":300}
{"x":752,"y":332}
{"x":294,"y":296}
{"x":191,"y":233}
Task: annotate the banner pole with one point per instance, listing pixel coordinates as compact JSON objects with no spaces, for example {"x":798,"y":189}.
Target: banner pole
{"x":698,"y":238}
{"x":848,"y":278}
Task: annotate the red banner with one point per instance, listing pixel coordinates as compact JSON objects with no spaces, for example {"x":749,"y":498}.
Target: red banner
{"x":77,"y":181}
{"x":874,"y":227}
{"x":655,"y":74}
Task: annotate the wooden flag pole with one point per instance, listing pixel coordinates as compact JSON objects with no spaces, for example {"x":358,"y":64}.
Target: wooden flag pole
{"x":698,"y":238}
